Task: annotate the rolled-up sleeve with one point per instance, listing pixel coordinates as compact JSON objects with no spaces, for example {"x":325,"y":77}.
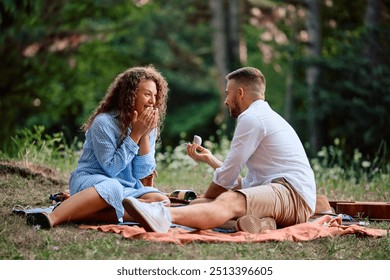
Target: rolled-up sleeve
{"x":247,"y":137}
{"x":145,"y":164}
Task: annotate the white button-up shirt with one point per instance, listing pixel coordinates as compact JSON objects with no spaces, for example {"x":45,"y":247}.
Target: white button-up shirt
{"x":270,"y":148}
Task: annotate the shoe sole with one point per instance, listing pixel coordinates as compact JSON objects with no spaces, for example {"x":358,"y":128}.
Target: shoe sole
{"x":252,"y":224}
{"x":39,"y":219}
{"x":140,"y":217}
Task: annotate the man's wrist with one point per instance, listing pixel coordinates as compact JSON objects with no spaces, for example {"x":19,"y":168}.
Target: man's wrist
{"x":213,"y":162}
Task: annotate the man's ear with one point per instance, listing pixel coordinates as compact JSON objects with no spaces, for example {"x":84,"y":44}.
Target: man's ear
{"x":240,"y":92}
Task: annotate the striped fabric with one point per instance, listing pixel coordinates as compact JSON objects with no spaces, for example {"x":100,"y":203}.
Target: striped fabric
{"x":112,"y":165}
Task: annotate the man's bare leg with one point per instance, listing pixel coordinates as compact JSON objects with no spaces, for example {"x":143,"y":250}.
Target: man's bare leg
{"x":154,"y":196}
{"x":228,"y":205}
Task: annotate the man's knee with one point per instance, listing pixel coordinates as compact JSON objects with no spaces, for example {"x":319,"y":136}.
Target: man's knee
{"x":201,"y":200}
{"x":154,"y":196}
{"x":233,"y":201}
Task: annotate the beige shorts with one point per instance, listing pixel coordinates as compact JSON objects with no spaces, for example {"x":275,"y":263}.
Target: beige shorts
{"x":278,"y":200}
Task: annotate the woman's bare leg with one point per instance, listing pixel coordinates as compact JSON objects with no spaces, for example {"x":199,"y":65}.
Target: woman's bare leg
{"x":108,"y":215}
{"x":89,"y":206}
{"x":78,"y":207}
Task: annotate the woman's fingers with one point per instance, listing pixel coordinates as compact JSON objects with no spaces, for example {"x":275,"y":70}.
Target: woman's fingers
{"x":146,"y":117}
{"x":135,"y":117}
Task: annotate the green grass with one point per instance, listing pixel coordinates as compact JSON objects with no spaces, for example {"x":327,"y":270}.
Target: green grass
{"x":29,"y":183}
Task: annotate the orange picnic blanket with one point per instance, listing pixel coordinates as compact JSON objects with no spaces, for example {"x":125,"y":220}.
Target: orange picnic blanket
{"x":325,"y":226}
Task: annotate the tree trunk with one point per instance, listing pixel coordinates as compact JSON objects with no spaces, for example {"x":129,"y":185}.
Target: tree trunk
{"x":313,"y":71}
{"x":233,"y":35}
{"x":371,"y":20}
{"x":288,"y":99}
{"x":219,"y":44}
{"x":226,"y":48}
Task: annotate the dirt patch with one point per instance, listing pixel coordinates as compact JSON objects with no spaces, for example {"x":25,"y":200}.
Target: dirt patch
{"x":30,"y":170}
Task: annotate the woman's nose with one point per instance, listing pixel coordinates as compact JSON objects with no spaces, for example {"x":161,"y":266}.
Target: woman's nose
{"x":152,"y":99}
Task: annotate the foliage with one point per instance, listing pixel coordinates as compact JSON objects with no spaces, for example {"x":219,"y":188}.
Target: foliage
{"x":175,"y":158}
{"x":354,"y":94}
{"x":339,"y":175}
{"x":37,"y":147}
{"x":59,"y":57}
{"x":66,"y":58}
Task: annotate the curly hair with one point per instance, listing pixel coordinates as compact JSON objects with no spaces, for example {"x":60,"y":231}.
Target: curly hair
{"x":121,"y":95}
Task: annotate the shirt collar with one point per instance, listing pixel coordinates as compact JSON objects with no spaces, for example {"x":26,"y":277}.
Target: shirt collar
{"x":114,"y":113}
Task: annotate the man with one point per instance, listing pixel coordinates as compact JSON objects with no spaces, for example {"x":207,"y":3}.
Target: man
{"x":279,"y":186}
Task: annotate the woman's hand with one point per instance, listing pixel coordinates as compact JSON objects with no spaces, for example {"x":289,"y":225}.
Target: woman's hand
{"x":154,"y":121}
{"x":143,"y":124}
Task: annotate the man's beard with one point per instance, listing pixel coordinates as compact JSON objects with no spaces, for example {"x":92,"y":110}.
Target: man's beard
{"x":234,"y":110}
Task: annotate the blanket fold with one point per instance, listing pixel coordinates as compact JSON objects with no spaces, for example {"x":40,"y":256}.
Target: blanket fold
{"x":325,"y":226}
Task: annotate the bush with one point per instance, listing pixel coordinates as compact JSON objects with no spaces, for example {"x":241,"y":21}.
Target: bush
{"x":34,"y":146}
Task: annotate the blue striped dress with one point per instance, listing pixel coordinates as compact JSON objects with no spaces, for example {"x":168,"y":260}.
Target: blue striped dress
{"x":112,"y":166}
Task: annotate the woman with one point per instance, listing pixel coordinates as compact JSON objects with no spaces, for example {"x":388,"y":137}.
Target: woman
{"x":118,"y":152}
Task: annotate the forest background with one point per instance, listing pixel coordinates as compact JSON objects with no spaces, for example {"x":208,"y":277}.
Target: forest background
{"x":327,"y":65}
